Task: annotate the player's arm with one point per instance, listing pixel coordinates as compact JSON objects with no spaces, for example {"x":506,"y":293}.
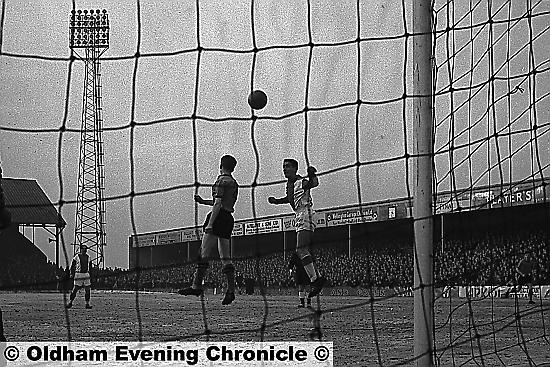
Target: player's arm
{"x":273,"y":200}
{"x":312,"y":179}
{"x":215,"y":211}
{"x":518,"y":268}
{"x":519,"y":272}
{"x":200,"y":200}
{"x":73,"y":267}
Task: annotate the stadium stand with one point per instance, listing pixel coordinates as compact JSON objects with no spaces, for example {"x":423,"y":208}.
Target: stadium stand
{"x":24,"y":266}
{"x":487,"y":260}
{"x":382,"y":256}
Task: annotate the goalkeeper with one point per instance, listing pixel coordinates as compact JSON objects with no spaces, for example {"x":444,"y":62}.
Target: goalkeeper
{"x":525,"y":275}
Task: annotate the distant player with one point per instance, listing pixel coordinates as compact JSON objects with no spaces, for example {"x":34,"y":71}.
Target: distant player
{"x":239,"y":280}
{"x":80,"y":272}
{"x":249,"y":285}
{"x":5,"y":221}
{"x":218,"y":227}
{"x":299,"y":197}
{"x":300,"y":277}
{"x":524,"y":272}
{"x":5,"y":215}
{"x":2,"y":337}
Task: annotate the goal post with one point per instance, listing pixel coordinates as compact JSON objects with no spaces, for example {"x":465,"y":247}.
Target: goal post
{"x":423,"y":183}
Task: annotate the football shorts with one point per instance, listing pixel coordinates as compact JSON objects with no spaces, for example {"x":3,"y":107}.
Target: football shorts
{"x":223,"y":225}
{"x":305,"y":220}
{"x":82,"y":280}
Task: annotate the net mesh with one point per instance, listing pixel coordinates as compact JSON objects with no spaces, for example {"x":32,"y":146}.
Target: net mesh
{"x":339,"y":81}
{"x":488,"y":102}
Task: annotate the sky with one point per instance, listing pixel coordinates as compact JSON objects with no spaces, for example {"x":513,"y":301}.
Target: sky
{"x":40,"y":87}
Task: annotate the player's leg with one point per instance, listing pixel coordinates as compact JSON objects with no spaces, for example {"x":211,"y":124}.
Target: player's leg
{"x":75,"y":290}
{"x":530,"y":292}
{"x":308,"y":299}
{"x":208,"y":245}
{"x":2,"y":337}
{"x":209,"y":241}
{"x":87,"y":295}
{"x":224,"y":249}
{"x":239,"y":284}
{"x":520,"y":282}
{"x":302,"y":248}
{"x":302,"y":296}
{"x":511,"y":284}
{"x":315,"y":333}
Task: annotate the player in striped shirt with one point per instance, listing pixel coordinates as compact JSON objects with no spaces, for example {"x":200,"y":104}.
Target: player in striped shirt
{"x":80,"y":271}
{"x":299,"y":197}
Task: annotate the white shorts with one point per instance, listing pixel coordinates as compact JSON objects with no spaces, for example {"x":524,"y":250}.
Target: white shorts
{"x":82,"y":280}
{"x":306,"y":220}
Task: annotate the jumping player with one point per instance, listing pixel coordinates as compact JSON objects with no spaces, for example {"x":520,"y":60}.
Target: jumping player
{"x":299,"y":197}
{"x":80,"y":271}
{"x":300,"y":277}
{"x":218,"y":227}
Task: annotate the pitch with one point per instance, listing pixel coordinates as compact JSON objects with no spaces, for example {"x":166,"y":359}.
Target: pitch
{"x":347,"y":322}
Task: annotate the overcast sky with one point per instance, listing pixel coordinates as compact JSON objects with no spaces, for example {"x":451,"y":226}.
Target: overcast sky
{"x":34,"y":96}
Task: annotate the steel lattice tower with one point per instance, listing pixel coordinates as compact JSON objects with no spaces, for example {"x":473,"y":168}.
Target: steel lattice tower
{"x":89,"y":39}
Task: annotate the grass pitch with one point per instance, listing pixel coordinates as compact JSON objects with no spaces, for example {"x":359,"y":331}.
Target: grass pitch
{"x":490,"y":332}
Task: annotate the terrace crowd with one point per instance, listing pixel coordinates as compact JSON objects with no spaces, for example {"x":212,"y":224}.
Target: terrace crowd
{"x":486,"y":260}
{"x":489,"y":260}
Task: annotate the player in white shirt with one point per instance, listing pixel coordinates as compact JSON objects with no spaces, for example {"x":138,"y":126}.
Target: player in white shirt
{"x":299,"y":197}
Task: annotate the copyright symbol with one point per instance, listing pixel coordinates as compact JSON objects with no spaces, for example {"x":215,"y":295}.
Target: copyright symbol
{"x":321,"y":353}
{"x":11,"y":353}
